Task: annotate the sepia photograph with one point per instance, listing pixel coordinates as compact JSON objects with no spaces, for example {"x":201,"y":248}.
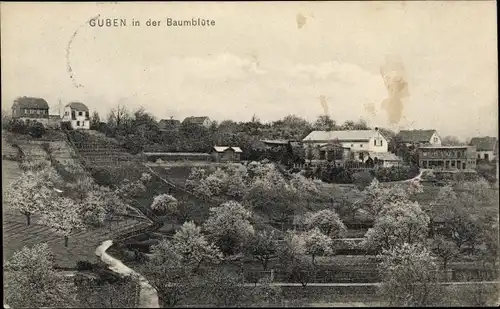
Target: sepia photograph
{"x":250,"y":154}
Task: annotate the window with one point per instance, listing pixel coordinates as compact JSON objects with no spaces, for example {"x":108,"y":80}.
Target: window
{"x":486,"y":156}
{"x":78,"y":123}
{"x":352,"y":145}
{"x":374,"y":142}
{"x":66,"y":113}
{"x":361,"y":145}
{"x":381,"y":142}
{"x":435,"y":139}
{"x":80,"y":113}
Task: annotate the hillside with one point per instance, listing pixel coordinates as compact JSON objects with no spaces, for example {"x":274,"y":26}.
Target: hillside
{"x":17,"y":234}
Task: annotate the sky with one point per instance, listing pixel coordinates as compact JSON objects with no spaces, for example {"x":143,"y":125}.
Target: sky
{"x":267,"y":59}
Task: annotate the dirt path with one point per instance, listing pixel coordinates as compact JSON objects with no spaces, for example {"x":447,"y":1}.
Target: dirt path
{"x":148,"y":295}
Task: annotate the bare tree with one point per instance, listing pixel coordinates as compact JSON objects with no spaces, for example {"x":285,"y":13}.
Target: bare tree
{"x":451,"y":141}
{"x":118,"y":116}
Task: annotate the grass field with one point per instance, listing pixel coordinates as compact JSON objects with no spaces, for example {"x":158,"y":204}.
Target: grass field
{"x":176,"y":174}
{"x":10,"y":172}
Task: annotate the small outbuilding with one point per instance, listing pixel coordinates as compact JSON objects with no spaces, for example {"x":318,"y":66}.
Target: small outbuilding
{"x":226,"y":154}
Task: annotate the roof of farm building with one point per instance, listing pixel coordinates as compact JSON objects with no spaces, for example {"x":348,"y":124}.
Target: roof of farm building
{"x":225,"y":148}
{"x":78,"y":106}
{"x":350,"y":135}
{"x":31,"y":102}
{"x":200,"y":154}
{"x":486,"y":143}
{"x":447,"y":147}
{"x":415,"y":136}
{"x":195,"y":120}
{"x":169,"y":121}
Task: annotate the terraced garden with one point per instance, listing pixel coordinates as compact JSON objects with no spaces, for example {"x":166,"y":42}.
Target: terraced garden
{"x":81,"y":244}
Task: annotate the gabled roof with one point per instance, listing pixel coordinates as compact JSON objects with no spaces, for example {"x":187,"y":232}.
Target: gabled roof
{"x":224,"y":148}
{"x":78,"y":106}
{"x":31,"y":102}
{"x":486,"y":143}
{"x":195,"y":120}
{"x":350,"y":135}
{"x":415,"y":136}
{"x":169,"y":121}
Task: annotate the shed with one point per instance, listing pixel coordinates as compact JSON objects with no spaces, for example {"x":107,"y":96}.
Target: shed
{"x":226,"y":154}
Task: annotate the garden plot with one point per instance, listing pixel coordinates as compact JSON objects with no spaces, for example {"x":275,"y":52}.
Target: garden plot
{"x":81,"y":245}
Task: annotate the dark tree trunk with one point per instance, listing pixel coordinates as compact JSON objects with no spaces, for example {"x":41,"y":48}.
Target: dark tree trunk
{"x":28,"y":218}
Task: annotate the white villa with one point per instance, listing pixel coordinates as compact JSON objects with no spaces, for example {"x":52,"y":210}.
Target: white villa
{"x":359,"y":144}
{"x":77,"y":114}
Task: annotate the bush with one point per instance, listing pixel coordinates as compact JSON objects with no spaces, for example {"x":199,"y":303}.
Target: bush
{"x":362,"y":179}
{"x":84,"y":265}
{"x":36,"y":130}
{"x":18,"y":126}
{"x":133,"y":147}
{"x":395,"y":173}
{"x":66,"y":125}
{"x":103,"y":177}
{"x":487,"y":171}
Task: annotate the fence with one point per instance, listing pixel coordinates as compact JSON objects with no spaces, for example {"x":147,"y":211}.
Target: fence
{"x":361,"y":275}
{"x":320,"y":276}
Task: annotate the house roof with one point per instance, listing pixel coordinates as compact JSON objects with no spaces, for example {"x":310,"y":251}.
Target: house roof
{"x":193,"y":154}
{"x":275,"y":142}
{"x":224,"y":148}
{"x":445,"y":147}
{"x":326,"y":146}
{"x":486,"y":143}
{"x":350,"y":135}
{"x":31,"y":102}
{"x":415,"y":136}
{"x":169,"y":121}
{"x":78,"y":106}
{"x":195,"y":120}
